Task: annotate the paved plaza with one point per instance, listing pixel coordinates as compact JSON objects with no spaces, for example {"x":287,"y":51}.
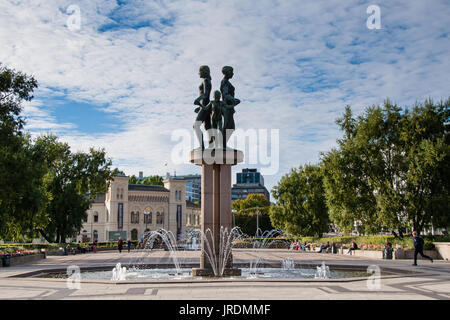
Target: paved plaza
{"x":427,"y":281}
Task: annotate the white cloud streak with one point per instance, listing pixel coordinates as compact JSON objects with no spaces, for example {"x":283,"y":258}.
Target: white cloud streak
{"x":297,"y":65}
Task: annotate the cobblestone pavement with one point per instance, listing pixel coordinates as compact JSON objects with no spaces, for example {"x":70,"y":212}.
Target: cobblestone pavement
{"x":427,"y":281}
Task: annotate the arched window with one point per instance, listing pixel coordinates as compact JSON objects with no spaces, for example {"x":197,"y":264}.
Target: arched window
{"x":134,"y":234}
{"x":134,"y":217}
{"x":158,"y":218}
{"x":95,"y":217}
{"x":95,"y":235}
{"x":148,"y":218}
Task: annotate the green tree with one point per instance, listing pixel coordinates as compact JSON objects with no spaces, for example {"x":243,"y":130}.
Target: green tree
{"x":390,"y":169}
{"x":251,"y":212}
{"x":300,"y":202}
{"x":153,"y":181}
{"x":73,"y":180}
{"x":22,"y":197}
{"x":133,"y":180}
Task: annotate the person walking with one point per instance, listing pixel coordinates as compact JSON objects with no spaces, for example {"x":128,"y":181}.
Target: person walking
{"x":120,"y":244}
{"x":418,"y":248}
{"x":129,"y":245}
{"x":95,"y":246}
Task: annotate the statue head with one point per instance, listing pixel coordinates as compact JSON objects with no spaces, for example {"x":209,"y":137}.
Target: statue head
{"x":217,"y":95}
{"x":227,"y":72}
{"x":204,"y":72}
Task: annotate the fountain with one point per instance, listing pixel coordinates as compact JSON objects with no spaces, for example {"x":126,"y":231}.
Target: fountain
{"x":167,"y":241}
{"x":194,"y":238}
{"x":216,"y":258}
{"x":264,"y":241}
{"x":323,"y":272}
{"x":288,"y":264}
{"x":119,"y":273}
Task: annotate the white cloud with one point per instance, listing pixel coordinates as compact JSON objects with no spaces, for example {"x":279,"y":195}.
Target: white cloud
{"x":294,"y":66}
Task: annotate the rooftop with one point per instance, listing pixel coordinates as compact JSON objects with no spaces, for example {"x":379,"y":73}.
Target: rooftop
{"x":145,"y":187}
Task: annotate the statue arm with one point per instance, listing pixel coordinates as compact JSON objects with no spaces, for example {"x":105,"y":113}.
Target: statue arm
{"x":207,"y":107}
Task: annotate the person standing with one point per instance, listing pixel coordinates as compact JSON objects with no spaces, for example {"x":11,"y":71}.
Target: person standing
{"x":95,"y":246}
{"x":120,"y":244}
{"x":388,"y":250}
{"x":418,"y":248}
{"x":129,"y":245}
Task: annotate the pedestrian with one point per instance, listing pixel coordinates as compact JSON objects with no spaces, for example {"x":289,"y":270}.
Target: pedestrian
{"x":388,"y":250}
{"x":129,"y":245}
{"x":95,"y":246}
{"x":120,"y":244}
{"x":333,"y":248}
{"x":324,"y":247}
{"x":418,"y":248}
{"x":353,"y":247}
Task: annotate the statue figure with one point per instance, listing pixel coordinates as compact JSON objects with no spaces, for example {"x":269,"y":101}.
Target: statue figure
{"x":216,"y":108}
{"x":202,"y":101}
{"x":227,"y":90}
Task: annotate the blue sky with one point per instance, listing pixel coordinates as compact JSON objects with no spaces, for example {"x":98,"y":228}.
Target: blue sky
{"x":129,"y":75}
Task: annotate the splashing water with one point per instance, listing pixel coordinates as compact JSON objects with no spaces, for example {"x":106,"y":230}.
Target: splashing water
{"x":263,"y":241}
{"x":168,"y":241}
{"x":288,"y":264}
{"x":323,"y":272}
{"x":221,"y":260}
{"x":119,"y":273}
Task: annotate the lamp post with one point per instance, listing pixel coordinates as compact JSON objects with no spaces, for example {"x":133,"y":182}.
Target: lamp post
{"x":147,"y":214}
{"x":234,"y":217}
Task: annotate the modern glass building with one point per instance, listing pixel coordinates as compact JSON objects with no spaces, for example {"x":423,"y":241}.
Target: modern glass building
{"x":248,"y":181}
{"x":193,"y":187}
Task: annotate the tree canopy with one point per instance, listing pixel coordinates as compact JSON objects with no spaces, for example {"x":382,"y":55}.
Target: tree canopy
{"x":248,"y":210}
{"x":390,"y":170}
{"x":44,"y":187}
{"x":300,"y":202}
{"x":150,"y":180}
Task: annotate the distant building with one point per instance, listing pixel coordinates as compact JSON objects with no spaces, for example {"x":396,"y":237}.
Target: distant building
{"x":129,"y":210}
{"x":247,"y":182}
{"x":193,"y":186}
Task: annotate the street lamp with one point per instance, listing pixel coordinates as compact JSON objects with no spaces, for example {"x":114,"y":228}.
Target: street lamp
{"x":234,"y":218}
{"x":147,"y":214}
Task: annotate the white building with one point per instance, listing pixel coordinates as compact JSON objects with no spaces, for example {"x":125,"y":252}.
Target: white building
{"x":128,"y":210}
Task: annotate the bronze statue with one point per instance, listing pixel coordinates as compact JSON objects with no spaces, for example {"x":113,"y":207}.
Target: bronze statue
{"x":211,"y":113}
{"x":216,"y":108}
{"x":227,"y":90}
{"x":202,"y":101}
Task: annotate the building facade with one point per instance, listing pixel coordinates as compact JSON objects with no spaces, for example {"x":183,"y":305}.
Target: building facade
{"x":193,"y":187}
{"x":247,"y":182}
{"x":128,"y":211}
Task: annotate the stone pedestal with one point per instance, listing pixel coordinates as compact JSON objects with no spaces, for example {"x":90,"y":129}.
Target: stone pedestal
{"x":216,"y":203}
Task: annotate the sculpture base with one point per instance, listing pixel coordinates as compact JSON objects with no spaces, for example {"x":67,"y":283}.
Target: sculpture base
{"x":232,"y":272}
{"x":212,"y":156}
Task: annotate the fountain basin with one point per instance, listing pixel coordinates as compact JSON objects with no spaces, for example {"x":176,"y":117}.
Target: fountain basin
{"x":164,"y":273}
